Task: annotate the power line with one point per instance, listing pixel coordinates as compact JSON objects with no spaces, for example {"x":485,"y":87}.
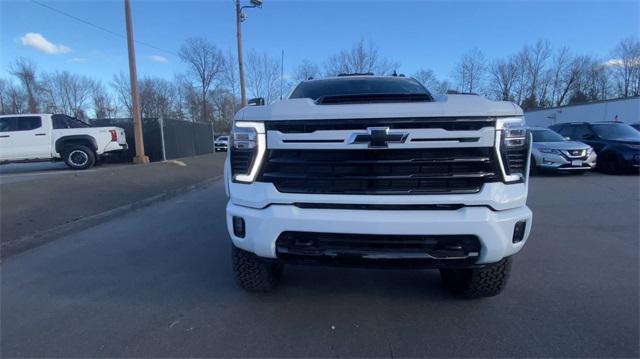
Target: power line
{"x":99,"y":27}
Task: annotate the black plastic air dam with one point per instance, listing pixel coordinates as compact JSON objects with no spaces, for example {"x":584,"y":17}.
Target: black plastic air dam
{"x":415,"y":251}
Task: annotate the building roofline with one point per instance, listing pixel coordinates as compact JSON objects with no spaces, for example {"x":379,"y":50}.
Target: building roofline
{"x":587,"y":103}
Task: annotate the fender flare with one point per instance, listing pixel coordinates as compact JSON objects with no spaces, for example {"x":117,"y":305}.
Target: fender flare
{"x":60,"y":142}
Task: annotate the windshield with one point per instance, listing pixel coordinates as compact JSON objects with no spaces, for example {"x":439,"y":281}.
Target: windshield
{"x":359,"y":86}
{"x":546,"y":136}
{"x":613,"y":131}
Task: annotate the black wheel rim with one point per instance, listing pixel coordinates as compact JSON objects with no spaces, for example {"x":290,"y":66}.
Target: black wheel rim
{"x":78,"y":158}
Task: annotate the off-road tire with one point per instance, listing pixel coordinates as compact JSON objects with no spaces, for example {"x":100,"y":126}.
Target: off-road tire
{"x":71,"y":151}
{"x":486,"y":281}
{"x":254,"y":274}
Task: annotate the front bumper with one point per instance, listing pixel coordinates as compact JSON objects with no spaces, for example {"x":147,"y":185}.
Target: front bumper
{"x":494,"y":229}
{"x":550,"y":161}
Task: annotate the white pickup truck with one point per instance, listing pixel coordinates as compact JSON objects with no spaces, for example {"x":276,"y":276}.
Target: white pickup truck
{"x":370,"y":170}
{"x":47,"y":137}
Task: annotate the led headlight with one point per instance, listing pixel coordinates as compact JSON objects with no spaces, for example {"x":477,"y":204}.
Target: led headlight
{"x":247,"y":149}
{"x":549,"y":150}
{"x":513,"y":147}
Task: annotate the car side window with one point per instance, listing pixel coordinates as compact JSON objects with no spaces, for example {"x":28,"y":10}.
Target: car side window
{"x":28,"y":123}
{"x":564,"y":130}
{"x":582,"y":132}
{"x":22,"y":123}
{"x":59,"y":121}
{"x":8,"y":124}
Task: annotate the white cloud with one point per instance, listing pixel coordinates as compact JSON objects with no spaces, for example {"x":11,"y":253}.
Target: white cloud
{"x":158,"y":58}
{"x":40,"y":43}
{"x":618,"y":62}
{"x":78,"y":60}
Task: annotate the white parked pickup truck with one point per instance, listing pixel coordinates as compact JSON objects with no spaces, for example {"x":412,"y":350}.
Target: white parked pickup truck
{"x":47,"y":137}
{"x":368,"y":170}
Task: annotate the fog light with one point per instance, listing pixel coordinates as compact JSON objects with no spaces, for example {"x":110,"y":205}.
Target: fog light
{"x":238,"y":227}
{"x":518,"y":231}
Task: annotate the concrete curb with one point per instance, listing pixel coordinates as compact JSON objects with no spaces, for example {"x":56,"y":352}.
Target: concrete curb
{"x":40,"y":238}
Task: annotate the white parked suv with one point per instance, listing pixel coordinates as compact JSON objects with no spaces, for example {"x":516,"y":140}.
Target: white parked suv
{"x":367,"y":170}
{"x":47,"y":137}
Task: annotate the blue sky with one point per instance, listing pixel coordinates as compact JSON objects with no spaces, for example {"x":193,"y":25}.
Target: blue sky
{"x":417,"y":34}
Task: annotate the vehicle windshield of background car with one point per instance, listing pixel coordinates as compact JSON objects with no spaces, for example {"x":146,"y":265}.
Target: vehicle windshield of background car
{"x":614,"y":131}
{"x":360,"y":86}
{"x":546,"y":136}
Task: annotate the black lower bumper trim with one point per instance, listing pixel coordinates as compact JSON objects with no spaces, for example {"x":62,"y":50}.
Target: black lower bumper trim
{"x":425,"y":251}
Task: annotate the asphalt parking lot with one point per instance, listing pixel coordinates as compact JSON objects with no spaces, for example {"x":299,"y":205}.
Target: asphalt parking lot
{"x":24,"y":172}
{"x":157,"y":282}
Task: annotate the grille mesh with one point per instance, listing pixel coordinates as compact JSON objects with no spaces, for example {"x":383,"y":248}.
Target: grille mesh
{"x":384,"y":171}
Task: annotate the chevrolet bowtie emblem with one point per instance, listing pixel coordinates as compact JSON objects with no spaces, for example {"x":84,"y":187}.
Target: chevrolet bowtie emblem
{"x":378,"y":137}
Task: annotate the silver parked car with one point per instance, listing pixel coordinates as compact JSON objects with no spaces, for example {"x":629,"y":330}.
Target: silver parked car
{"x":221,"y":144}
{"x":551,"y":151}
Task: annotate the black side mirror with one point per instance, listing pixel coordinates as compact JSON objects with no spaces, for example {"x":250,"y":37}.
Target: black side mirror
{"x":590,"y":136}
{"x":258,"y":101}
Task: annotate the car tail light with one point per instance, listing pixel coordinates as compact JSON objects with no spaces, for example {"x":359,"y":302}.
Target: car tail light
{"x":114,"y":135}
{"x":513,"y":145}
{"x":247,"y":149}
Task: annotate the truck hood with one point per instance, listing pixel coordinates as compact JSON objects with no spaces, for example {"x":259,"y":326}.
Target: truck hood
{"x":447,"y":106}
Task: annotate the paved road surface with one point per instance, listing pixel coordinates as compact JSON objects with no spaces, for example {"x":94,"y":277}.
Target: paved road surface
{"x":22,"y":172}
{"x":157,"y":282}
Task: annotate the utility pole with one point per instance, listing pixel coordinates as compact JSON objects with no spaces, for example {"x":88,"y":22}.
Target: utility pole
{"x":140,"y":157}
{"x":239,"y":19}
{"x":243,"y":94}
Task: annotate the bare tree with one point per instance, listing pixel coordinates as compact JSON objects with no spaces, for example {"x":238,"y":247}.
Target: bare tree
{"x":360,"y":58}
{"x":626,"y":65}
{"x":230,"y":73}
{"x":559,"y":66}
{"x":306,"y":70}
{"x":470,"y":71}
{"x":13,"y":98}
{"x":104,"y":105}
{"x":4,"y":103}
{"x":535,"y":58}
{"x":157,"y":97}
{"x":224,"y":105}
{"x":64,"y":92}
{"x":430,"y":81}
{"x":503,"y":77}
{"x":25,"y":71}
{"x":570,"y":78}
{"x":205,"y":63}
{"x":263,"y":76}
{"x":427,"y":78}
{"x":120,"y":86}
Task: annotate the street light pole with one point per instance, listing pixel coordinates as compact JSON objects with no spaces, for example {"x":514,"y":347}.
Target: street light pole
{"x":243,"y":94}
{"x":239,"y":20}
{"x":140,"y":156}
